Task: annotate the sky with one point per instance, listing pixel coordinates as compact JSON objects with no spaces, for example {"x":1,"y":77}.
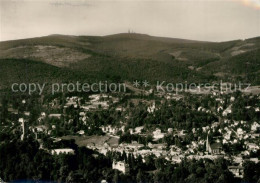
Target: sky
{"x":206,"y":20}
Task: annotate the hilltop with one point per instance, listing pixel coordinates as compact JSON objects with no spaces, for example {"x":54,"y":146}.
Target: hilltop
{"x":128,"y":56}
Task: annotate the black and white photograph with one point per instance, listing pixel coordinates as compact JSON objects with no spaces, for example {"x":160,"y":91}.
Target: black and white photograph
{"x":130,"y":91}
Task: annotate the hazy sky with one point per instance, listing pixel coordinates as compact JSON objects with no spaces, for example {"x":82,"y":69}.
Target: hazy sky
{"x":211,"y":20}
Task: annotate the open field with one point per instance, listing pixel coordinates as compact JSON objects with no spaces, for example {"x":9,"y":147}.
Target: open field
{"x":93,"y":140}
{"x":255,"y":90}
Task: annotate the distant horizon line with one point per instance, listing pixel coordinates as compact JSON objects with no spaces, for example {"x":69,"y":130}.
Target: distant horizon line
{"x":57,"y":34}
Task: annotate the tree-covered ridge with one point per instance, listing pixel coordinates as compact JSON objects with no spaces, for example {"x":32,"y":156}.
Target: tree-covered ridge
{"x":128,"y":57}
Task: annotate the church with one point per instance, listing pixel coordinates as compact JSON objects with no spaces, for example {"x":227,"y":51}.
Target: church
{"x":214,"y":148}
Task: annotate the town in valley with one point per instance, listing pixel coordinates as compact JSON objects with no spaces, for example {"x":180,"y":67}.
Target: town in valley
{"x":141,"y":135}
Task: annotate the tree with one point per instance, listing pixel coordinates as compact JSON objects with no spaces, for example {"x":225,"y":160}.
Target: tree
{"x":139,"y":176}
{"x":250,"y":172}
{"x":116,"y":177}
{"x":4,"y":111}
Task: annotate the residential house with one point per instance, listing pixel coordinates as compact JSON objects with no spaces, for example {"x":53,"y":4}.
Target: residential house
{"x":151,"y":108}
{"x":255,"y":126}
{"x":62,"y":151}
{"x":237,"y":171}
{"x":252,"y":147}
{"x":121,"y":166}
{"x":58,"y":116}
{"x":227,"y":111}
{"x":157,"y":134}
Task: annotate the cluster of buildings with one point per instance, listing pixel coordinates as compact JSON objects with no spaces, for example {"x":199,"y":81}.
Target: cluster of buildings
{"x":231,"y":132}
